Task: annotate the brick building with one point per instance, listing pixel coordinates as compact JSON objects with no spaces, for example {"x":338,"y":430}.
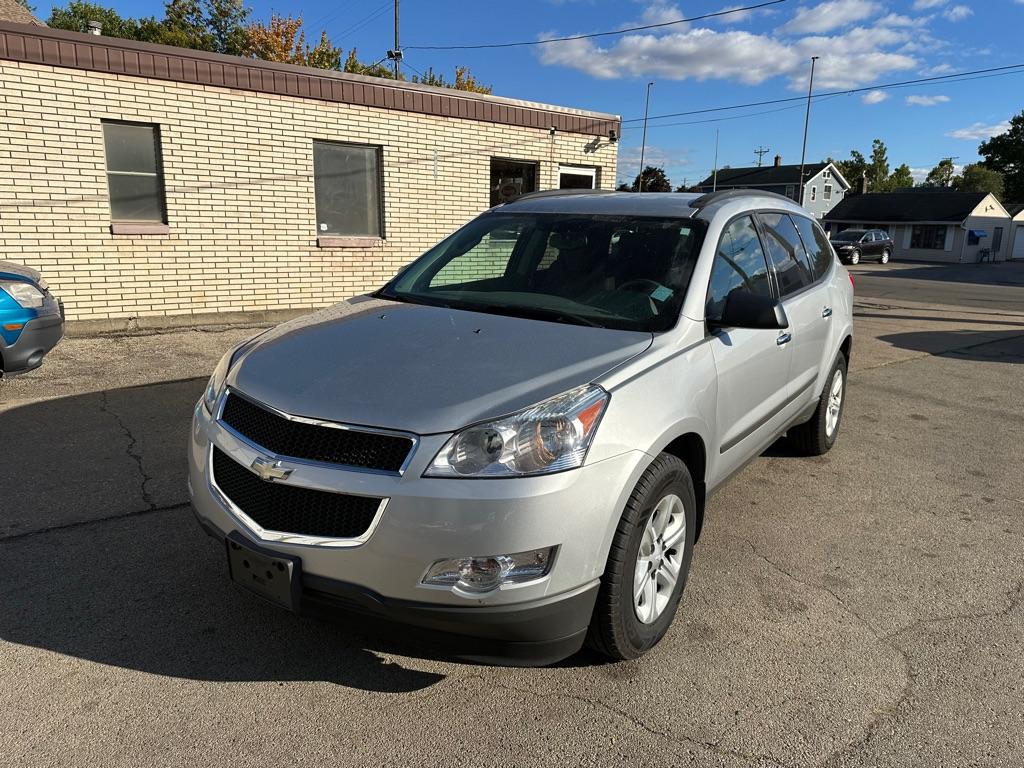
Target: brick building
{"x":145,"y":180}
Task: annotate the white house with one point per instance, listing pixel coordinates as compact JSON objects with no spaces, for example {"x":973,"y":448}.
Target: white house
{"x":824,"y":186}
{"x":1015,"y":250}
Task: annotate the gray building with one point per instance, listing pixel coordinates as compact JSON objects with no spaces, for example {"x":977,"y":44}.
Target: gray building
{"x":824,"y":186}
{"x":930,"y":224}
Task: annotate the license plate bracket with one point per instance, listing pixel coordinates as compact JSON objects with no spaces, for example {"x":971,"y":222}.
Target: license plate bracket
{"x":273,"y":576}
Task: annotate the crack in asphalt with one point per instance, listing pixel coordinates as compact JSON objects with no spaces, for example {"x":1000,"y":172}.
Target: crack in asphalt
{"x":130,"y":450}
{"x":879,"y":715}
{"x":94,"y":521}
{"x":677,"y":739}
{"x":1015,"y":597}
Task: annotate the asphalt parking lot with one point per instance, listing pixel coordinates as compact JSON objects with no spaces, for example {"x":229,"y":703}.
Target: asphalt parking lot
{"x":859,"y":609}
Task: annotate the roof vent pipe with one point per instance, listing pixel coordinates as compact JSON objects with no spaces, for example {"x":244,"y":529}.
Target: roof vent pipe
{"x":778,"y":160}
{"x":95,"y":27}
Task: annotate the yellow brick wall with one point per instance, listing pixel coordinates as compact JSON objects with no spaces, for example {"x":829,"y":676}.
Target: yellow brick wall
{"x":238,"y":172}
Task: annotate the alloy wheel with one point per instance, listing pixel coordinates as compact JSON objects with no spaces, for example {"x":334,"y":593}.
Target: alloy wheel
{"x":835,"y":403}
{"x":660,"y":558}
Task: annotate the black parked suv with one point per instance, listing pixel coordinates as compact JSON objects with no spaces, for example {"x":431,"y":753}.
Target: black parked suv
{"x":852,"y":245}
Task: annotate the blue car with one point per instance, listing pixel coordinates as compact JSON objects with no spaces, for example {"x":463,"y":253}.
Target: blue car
{"x":31,"y":318}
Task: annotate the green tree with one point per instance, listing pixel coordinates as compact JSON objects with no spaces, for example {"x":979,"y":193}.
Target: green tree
{"x":623,"y":187}
{"x":853,"y":169}
{"x":878,"y":168}
{"x":1005,"y":154}
{"x":654,"y":180}
{"x":941,"y":175}
{"x":78,"y":13}
{"x":184,"y":25}
{"x":977,"y":178}
{"x":225,"y":19}
{"x":283,"y":39}
{"x":25,"y":4}
{"x":901,"y":178}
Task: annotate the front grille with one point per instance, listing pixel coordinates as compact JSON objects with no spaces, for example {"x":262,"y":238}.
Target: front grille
{"x":351,"y":447}
{"x":290,"y":509}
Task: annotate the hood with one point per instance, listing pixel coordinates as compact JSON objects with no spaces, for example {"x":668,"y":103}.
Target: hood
{"x":422,"y":369}
{"x":9,"y":270}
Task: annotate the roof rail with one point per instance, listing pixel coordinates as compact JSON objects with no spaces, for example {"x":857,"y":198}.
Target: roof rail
{"x":559,"y":192}
{"x":726,"y":194}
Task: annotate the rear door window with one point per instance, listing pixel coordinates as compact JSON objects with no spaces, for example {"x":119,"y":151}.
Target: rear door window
{"x":792,"y":269}
{"x":819,"y":250}
{"x":739,"y":265}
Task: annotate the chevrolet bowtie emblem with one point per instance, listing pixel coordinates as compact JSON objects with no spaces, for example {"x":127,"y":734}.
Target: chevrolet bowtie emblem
{"x":269,"y":470}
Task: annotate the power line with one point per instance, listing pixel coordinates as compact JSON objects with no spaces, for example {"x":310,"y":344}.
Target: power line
{"x":624,"y":31}
{"x":878,"y":87}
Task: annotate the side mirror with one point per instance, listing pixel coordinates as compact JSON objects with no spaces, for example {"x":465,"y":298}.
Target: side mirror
{"x":752,"y":310}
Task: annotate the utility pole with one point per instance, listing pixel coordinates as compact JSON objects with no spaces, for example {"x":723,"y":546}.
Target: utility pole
{"x":761,"y":152}
{"x":643,"y":141}
{"x":398,"y":47}
{"x":714,"y":179}
{"x":807,"y":124}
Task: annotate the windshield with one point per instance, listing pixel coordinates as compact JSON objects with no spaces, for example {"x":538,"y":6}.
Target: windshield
{"x":624,"y":272}
{"x":851,"y":235}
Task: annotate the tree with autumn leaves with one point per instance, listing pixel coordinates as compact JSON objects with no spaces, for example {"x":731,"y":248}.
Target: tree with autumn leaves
{"x":224,"y":26}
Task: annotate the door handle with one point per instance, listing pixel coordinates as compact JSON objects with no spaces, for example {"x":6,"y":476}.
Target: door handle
{"x":784,"y":338}
{"x":826,"y":312}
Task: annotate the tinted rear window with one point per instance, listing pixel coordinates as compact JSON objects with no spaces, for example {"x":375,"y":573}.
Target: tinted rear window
{"x":819,"y":250}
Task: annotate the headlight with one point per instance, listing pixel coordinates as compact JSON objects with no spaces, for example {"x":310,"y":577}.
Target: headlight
{"x":216,"y":383}
{"x":552,"y":436}
{"x":26,"y":294}
{"x":220,"y":373}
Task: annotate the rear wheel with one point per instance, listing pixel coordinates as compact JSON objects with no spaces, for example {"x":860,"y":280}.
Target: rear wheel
{"x":648,"y":563}
{"x":885,"y":256}
{"x":855,"y":257}
{"x":818,"y":435}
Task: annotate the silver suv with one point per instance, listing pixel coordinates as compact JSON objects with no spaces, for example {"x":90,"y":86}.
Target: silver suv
{"x":510,"y":446}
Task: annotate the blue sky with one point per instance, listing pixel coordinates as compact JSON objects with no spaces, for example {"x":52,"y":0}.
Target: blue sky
{"x":744,"y":57}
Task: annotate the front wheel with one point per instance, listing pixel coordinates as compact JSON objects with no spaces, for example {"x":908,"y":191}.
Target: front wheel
{"x":885,"y":257}
{"x":855,"y":257}
{"x":648,"y":563}
{"x":817,"y":436}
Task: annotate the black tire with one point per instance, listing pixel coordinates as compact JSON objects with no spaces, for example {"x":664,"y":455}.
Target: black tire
{"x":855,"y":257}
{"x":812,"y":438}
{"x":615,"y":629}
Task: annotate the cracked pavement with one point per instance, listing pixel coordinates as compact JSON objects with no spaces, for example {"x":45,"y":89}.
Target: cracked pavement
{"x":859,"y":609}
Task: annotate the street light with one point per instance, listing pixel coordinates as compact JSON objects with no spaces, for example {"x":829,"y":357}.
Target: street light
{"x":643,"y":141}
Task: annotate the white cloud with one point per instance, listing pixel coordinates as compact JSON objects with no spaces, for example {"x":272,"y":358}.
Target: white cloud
{"x":846,"y":61}
{"x":899,"y":20}
{"x":926,"y":101}
{"x":659,"y":13}
{"x":923,"y":5}
{"x":939,"y":69}
{"x":979,"y":131}
{"x":958,"y":12}
{"x":874,"y":97}
{"x":740,"y":16}
{"x":829,"y":15}
{"x":659,"y":157}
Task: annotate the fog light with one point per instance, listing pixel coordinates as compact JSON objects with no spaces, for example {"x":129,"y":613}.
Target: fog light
{"x":482,"y":574}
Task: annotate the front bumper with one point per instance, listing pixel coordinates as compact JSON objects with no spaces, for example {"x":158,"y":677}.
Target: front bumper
{"x":38,"y":337}
{"x":429,"y":519}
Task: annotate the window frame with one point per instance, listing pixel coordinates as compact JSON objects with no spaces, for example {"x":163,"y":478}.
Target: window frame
{"x":923,"y":228}
{"x":137,"y":226}
{"x":590,"y":171}
{"x":826,"y":192}
{"x":814,"y":193}
{"x":771,"y":262}
{"x":520,"y":161}
{"x":825,"y":276}
{"x":772,"y":280}
{"x":329,"y":239}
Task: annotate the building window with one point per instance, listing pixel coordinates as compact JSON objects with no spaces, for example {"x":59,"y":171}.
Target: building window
{"x":997,"y":239}
{"x":814,"y":193}
{"x":135,"y":176}
{"x":347,"y":181}
{"x":573,"y":177}
{"x":928,"y":236}
{"x":826,"y":174}
{"x":511,"y":178}
{"x":826,"y":192}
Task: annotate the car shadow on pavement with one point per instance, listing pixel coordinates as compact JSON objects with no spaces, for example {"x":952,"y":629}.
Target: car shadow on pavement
{"x":103,"y":559}
{"x":999,"y":273}
{"x":981,"y":346}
